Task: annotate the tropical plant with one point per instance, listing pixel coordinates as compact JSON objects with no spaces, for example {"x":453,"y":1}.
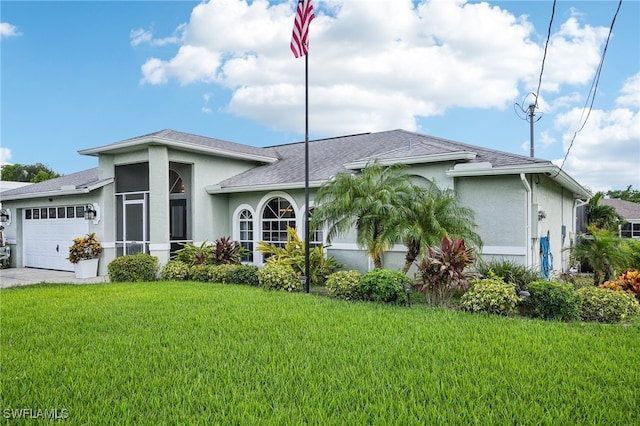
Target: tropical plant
{"x":293,"y":254}
{"x":279,"y":277}
{"x":491,"y":295}
{"x":84,"y":248}
{"x":552,"y":300}
{"x":601,"y":215}
{"x":369,"y":201}
{"x":432,"y":215}
{"x":604,"y":305}
{"x":628,"y":281}
{"x":442,"y":273}
{"x":194,"y":255}
{"x":509,"y":271}
{"x":344,"y":285}
{"x":602,"y":250}
{"x":384,"y":285}
{"x":225,"y":251}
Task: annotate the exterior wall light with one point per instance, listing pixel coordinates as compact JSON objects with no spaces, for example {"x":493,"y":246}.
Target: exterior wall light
{"x":541,"y":214}
{"x":92,"y":212}
{"x":5,"y":216}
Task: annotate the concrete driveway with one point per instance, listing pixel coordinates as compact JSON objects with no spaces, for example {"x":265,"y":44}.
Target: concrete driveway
{"x":12,"y":277}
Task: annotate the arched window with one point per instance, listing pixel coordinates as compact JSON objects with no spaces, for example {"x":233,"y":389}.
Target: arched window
{"x":316,"y":236}
{"x":245,"y":222}
{"x":278,"y":214}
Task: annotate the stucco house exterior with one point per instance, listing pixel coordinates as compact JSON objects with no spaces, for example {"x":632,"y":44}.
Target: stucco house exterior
{"x":152,"y":192}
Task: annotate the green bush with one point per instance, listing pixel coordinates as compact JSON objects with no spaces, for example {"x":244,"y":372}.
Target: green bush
{"x":133,"y":268}
{"x":491,"y":295}
{"x":552,"y":300}
{"x":604,"y":305}
{"x":220,"y":273}
{"x":244,"y":274}
{"x":279,"y":277}
{"x":383,"y":285}
{"x":631,"y":247}
{"x":199,"y":272}
{"x":344,"y":285}
{"x":175,"y":270}
{"x":509,"y":271}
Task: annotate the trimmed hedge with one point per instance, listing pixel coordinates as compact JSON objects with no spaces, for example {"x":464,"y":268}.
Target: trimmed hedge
{"x":133,"y":268}
{"x":491,"y":295}
{"x":604,"y":305}
{"x":552,"y":300}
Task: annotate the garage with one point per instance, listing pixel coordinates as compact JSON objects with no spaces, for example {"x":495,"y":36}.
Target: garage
{"x":47,"y":234}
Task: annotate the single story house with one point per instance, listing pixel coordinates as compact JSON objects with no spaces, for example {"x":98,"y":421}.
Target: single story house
{"x":630,"y":212}
{"x":152,"y":192}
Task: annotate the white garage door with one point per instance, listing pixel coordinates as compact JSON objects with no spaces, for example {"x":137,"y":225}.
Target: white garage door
{"x":48,"y":232}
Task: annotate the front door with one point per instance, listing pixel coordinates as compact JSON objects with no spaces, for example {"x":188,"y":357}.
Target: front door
{"x":135,"y":226}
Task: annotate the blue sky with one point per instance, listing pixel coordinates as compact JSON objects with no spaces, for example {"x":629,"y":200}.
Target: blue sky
{"x":79,"y":74}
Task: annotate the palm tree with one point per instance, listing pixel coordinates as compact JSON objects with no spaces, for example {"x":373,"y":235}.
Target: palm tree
{"x":602,"y":250}
{"x":370,"y":201}
{"x":601,"y":215}
{"x":434,"y":214}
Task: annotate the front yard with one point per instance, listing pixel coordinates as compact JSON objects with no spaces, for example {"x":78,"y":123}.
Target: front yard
{"x":201,"y":353}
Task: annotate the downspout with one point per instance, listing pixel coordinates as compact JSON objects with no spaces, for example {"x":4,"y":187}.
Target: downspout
{"x":527,"y":187}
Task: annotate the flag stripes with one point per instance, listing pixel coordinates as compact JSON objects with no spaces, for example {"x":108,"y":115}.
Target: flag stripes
{"x":300,"y":36}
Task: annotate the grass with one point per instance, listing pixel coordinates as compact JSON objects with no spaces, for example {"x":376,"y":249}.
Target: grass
{"x":195,"y":353}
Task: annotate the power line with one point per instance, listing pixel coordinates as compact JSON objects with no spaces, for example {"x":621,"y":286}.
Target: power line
{"x":544,"y":56}
{"x":594,"y":88}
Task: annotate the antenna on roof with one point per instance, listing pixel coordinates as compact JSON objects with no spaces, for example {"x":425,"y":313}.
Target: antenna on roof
{"x":529,"y":114}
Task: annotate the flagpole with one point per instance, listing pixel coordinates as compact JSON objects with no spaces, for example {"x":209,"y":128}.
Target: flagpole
{"x":306,"y":172}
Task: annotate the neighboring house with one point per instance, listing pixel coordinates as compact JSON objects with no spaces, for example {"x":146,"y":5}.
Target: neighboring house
{"x":152,"y":192}
{"x":630,"y":212}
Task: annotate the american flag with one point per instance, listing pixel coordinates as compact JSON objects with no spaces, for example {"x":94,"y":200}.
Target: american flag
{"x":300,"y":37}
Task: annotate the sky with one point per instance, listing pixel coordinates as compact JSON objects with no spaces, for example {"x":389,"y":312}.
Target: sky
{"x":81,"y":74}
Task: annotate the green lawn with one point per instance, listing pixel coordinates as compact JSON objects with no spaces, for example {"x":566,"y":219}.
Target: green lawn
{"x":196,"y":353}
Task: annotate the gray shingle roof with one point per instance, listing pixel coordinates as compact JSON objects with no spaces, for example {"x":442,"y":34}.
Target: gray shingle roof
{"x":78,"y":180}
{"x":626,"y":209}
{"x":327,"y":157}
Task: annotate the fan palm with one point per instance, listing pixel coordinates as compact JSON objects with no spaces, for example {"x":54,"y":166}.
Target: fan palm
{"x":601,"y":215}
{"x":369,"y":201}
{"x":603,"y":251}
{"x":432,"y":215}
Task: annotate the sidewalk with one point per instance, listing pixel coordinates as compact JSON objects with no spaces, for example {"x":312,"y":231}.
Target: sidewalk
{"x":12,"y":277}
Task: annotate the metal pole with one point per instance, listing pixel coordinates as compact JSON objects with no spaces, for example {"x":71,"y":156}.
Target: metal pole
{"x":306,"y":172}
{"x":532,"y":109}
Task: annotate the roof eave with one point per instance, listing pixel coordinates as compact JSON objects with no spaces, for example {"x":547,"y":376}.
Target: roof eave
{"x":118,"y":146}
{"x":552,"y":171}
{"x":217,"y":189}
{"x":64,"y":190}
{"x":418,"y":159}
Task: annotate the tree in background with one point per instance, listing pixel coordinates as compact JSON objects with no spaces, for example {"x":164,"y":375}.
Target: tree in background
{"x":602,"y":216}
{"x":33,"y":173}
{"x":628,"y":194}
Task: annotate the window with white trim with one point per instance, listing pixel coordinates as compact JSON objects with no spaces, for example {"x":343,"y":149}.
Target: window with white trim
{"x":245,"y":222}
{"x":277,"y":216}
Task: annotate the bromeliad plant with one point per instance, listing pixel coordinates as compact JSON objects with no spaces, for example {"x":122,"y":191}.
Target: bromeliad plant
{"x":442,"y":273}
{"x":221,"y":252}
{"x":84,"y":248}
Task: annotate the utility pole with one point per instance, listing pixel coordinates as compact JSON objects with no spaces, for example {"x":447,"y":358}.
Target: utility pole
{"x":531,"y":116}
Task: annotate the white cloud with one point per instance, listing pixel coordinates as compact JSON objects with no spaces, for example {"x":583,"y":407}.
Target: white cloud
{"x":372,"y":65}
{"x":8,"y":30}
{"x":630,"y":96}
{"x":606,"y":153}
{"x":5,"y":155}
{"x":141,"y":36}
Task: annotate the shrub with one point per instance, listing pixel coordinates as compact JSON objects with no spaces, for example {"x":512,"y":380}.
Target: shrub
{"x":631,"y":247}
{"x":552,"y":300}
{"x":441,"y":274}
{"x":84,"y":248}
{"x":225,"y":251}
{"x":383,"y":285}
{"x":491,"y":295}
{"x":244,"y":274}
{"x":199,"y":272}
{"x":133,"y":268}
{"x":603,"y":305}
{"x":510,"y":272}
{"x":279,"y":277}
{"x":629,"y":282}
{"x":194,"y":255}
{"x":344,"y":285}
{"x":293,"y":254}
{"x":220,"y":273}
{"x":175,"y":270}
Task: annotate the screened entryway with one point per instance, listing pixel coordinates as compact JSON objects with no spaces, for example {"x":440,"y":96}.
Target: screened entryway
{"x":132,"y":207}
